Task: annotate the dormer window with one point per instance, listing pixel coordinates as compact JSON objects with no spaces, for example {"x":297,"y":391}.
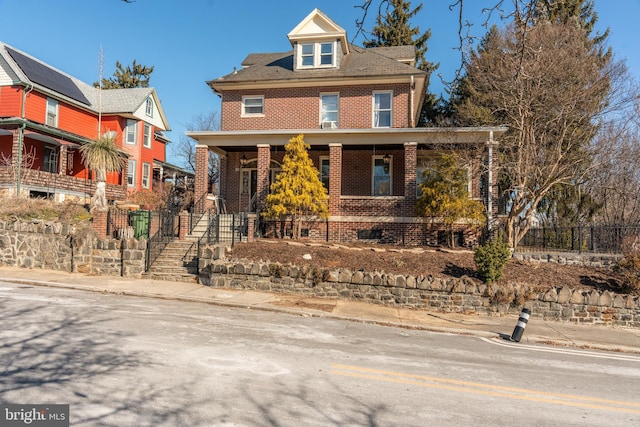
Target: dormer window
{"x":316,"y":55}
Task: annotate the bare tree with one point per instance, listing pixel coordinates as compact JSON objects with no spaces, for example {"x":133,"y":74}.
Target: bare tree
{"x":185,"y":149}
{"x":26,"y":167}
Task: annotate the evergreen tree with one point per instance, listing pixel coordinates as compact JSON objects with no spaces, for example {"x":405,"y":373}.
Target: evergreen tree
{"x":131,"y":76}
{"x":297,"y":192}
{"x":394,"y":29}
{"x":445,"y":196}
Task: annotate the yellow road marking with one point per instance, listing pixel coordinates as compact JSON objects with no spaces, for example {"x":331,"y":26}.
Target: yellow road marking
{"x":485,"y":389}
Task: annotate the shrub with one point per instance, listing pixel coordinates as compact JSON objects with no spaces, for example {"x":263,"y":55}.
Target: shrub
{"x":491,"y":258}
{"x":629,"y":266}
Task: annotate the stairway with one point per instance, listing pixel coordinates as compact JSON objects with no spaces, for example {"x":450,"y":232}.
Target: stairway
{"x":170,"y":264}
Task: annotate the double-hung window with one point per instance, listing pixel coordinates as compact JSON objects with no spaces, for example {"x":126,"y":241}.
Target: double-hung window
{"x":381,"y":176}
{"x":252,"y":106}
{"x":329,"y":110}
{"x":147,"y":135}
{"x":50,"y":159}
{"x":52,"y":112}
{"x":131,"y":173}
{"x":324,"y":171}
{"x":131,"y":131}
{"x":146,"y":174}
{"x":382,"y":109}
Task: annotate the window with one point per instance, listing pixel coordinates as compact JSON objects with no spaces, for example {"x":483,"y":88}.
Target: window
{"x":324,"y":171}
{"x":252,"y":106}
{"x":146,"y":174}
{"x":149,"y":107}
{"x":147,"y":135}
{"x":131,"y":173}
{"x":381,"y":176}
{"x":426,"y":167}
{"x":382,"y":109}
{"x":329,"y":110}
{"x":131,"y":132}
{"x":52,"y":112}
{"x":50,"y":160}
{"x":316,"y":55}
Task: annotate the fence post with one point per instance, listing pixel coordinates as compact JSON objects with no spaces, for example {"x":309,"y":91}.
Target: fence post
{"x":251,"y":226}
{"x":233,"y":230}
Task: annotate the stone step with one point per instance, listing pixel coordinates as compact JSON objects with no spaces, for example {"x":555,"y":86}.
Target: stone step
{"x":171,"y":277}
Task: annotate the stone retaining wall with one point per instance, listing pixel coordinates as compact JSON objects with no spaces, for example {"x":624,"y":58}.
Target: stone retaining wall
{"x":57,"y":246}
{"x":595,"y":260}
{"x":462,"y":295}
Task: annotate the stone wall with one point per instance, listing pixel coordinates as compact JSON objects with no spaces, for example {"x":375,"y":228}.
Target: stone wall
{"x":56,"y":246}
{"x":571,"y":258}
{"x":462,"y":295}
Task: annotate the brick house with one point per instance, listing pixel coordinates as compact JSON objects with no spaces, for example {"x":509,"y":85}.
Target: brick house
{"x":46,"y":115}
{"x":357,"y":109}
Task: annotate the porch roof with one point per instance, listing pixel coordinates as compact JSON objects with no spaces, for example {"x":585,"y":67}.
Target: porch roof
{"x":222,"y":142}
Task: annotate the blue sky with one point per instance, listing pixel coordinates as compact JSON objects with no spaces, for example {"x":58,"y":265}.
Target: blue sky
{"x":192,"y":41}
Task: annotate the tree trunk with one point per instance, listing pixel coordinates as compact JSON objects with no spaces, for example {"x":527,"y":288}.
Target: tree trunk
{"x":99,"y":199}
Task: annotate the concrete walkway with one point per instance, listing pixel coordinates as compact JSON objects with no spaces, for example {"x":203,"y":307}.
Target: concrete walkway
{"x":607,"y":338}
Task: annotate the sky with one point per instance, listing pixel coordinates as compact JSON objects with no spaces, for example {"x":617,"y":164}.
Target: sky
{"x":192,"y":41}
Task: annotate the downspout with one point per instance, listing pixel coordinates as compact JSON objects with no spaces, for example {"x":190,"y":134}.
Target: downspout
{"x":412,"y":88}
{"x":21,"y":129}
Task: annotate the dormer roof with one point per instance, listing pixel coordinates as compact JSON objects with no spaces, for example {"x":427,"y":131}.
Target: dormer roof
{"x":318,"y":26}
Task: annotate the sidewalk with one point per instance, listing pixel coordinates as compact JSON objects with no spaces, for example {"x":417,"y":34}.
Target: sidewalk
{"x":537,"y":331}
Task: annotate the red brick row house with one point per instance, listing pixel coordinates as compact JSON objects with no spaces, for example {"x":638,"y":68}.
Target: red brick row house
{"x":357,"y":109}
{"x":46,"y":115}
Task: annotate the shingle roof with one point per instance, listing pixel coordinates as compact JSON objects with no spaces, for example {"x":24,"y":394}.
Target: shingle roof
{"x":360,"y":62}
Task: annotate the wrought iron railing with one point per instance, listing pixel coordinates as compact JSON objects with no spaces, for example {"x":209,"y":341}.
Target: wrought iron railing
{"x":166,"y":224}
{"x":591,"y":238}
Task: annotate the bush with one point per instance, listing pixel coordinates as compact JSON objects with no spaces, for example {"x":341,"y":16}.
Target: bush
{"x":491,"y":258}
{"x":629,"y":267}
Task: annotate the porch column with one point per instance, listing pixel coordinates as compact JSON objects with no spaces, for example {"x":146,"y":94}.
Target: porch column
{"x":62,"y":160}
{"x":335,"y":178}
{"x":410,"y":160}
{"x":201,"y":184}
{"x":222,"y":174}
{"x":264,"y":161}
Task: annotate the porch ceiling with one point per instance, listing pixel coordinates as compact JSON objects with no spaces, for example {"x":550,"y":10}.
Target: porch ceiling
{"x":227,"y":141}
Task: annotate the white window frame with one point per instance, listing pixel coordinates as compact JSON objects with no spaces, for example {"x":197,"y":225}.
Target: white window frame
{"x":131,"y":173}
{"x":53,"y":110}
{"x":149,"y":107}
{"x":252,"y":114}
{"x":317,"y":54}
{"x":323,"y":117}
{"x":146,"y":175}
{"x":323,"y":177}
{"x":373,"y":175}
{"x":131,"y":130}
{"x":146,"y":140}
{"x":376,"y":111}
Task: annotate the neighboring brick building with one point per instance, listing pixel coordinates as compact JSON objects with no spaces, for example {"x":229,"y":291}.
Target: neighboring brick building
{"x":357,"y":109}
{"x":46,"y":115}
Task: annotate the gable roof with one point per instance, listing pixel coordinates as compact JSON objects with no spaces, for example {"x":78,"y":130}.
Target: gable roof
{"x":20,"y":67}
{"x":318,"y":25}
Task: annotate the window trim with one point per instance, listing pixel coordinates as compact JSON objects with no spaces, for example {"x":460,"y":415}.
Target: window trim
{"x":146,"y":175}
{"x":131,"y":173}
{"x":146,"y":136}
{"x":317,"y":55}
{"x":322,"y":159}
{"x":131,"y":128}
{"x":53,"y":159}
{"x":53,"y":111}
{"x":243,"y":107}
{"x":337,"y":111}
{"x":374,"y":111}
{"x":148,"y":109}
{"x":373,"y":175}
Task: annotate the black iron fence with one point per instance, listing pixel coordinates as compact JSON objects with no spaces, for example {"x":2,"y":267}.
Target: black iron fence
{"x":592,"y":238}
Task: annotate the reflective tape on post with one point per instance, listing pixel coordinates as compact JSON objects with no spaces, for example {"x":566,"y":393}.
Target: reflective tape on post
{"x":522,"y":323}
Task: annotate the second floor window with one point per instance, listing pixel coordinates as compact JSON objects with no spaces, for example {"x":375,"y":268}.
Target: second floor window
{"x":52,"y":112}
{"x":131,"y":132}
{"x":329,"y":110}
{"x":382,"y":110}
{"x":147,"y":135}
{"x":252,"y":106}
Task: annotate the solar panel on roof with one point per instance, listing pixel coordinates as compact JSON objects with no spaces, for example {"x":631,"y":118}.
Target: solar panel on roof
{"x":48,"y":77}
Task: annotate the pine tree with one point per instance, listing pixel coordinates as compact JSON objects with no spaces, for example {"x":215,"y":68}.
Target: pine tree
{"x":394,"y":29}
{"x":297,"y":192}
{"x":445,"y":196}
{"x":131,"y":76}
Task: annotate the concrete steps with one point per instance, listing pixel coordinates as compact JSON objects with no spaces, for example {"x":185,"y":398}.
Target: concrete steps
{"x":171,"y":265}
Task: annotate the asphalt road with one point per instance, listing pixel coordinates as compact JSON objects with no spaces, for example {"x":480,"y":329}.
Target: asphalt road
{"x":127,"y":361}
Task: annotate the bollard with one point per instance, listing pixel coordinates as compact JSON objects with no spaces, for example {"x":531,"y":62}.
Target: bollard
{"x":522,"y":323}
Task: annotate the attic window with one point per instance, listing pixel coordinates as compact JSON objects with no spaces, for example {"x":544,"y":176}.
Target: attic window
{"x":316,"y":55}
{"x":149,"y":107}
